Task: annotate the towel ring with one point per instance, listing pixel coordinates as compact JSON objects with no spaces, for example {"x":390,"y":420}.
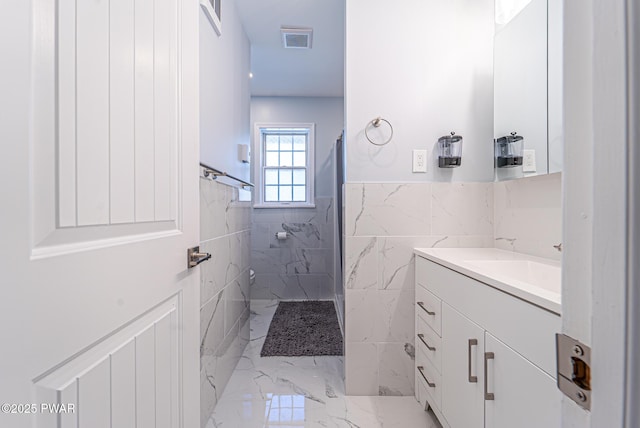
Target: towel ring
{"x":376,"y":124}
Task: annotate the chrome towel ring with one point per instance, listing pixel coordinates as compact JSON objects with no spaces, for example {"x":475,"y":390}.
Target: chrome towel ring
{"x":376,"y":124}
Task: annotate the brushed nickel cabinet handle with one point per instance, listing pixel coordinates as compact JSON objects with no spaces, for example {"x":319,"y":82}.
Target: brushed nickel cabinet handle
{"x":421,"y":337}
{"x":421,"y":304}
{"x":487,"y":395}
{"x":421,"y":370}
{"x":472,"y":342}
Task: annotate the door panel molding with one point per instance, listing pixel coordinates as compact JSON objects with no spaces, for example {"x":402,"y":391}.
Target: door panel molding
{"x":106,"y":145}
{"x":138,"y":359}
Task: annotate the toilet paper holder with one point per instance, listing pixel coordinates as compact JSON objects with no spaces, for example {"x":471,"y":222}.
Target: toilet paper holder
{"x":282,"y":235}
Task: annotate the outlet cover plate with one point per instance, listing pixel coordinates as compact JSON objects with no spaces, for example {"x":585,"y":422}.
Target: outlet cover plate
{"x":419,"y":160}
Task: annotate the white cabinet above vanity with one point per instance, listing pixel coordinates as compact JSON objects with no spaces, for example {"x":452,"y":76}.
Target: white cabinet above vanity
{"x":486,"y":321}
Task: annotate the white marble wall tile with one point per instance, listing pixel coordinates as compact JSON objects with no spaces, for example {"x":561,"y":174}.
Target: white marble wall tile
{"x":268,"y":286}
{"x":362,"y":316}
{"x":225,"y":233}
{"x":396,"y":262}
{"x":361,"y":262}
{"x":462,"y":209}
{"x":528,"y":215}
{"x":260,"y":235}
{"x":212,"y":320}
{"x":217,"y":370}
{"x":236,"y":300}
{"x":292,"y":287}
{"x":208,"y":393}
{"x":308,"y":252}
{"x":396,"y":366}
{"x":388,"y":209}
{"x":302,"y":287}
{"x":361,"y":369}
{"x":285,"y":261}
{"x":213,"y":272}
{"x":306,"y":261}
{"x":213,"y":205}
{"x":301,"y":235}
{"x":395,"y":322}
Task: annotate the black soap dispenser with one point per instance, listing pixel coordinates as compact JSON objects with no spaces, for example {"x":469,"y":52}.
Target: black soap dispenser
{"x":450,"y":151}
{"x":509,"y":151}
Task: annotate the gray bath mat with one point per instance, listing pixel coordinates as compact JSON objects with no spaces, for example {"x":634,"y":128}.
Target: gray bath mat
{"x":307,"y":328}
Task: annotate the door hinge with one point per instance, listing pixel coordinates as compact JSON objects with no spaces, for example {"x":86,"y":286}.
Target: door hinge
{"x":574,"y":369}
{"x":195,"y":257}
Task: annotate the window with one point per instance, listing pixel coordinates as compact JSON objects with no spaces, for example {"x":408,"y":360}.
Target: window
{"x":284,"y":165}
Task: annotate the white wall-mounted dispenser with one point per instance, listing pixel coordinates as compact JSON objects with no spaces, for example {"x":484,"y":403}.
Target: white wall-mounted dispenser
{"x":244,"y":153}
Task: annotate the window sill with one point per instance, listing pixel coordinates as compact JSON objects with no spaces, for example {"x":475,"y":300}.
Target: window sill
{"x":283,"y":205}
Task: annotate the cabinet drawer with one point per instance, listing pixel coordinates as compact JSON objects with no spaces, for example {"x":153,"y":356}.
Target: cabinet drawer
{"x":429,"y":342}
{"x":425,"y":371}
{"x":429,"y":308}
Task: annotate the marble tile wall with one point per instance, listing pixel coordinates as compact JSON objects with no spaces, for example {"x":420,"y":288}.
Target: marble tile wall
{"x":528,"y":215}
{"x":383,"y":223}
{"x":300,"y":267}
{"x":225,"y":232}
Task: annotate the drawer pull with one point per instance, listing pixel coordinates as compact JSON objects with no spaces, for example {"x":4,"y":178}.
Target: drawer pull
{"x":421,"y":304}
{"x":472,"y":342}
{"x":487,"y":395}
{"x":421,"y":370}
{"x":421,"y":337}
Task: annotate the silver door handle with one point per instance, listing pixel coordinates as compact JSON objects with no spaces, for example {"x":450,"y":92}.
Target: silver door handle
{"x":472,"y":342}
{"x":421,"y":304}
{"x":421,"y":370}
{"x":195,"y":257}
{"x":421,"y":337}
{"x":487,"y":395}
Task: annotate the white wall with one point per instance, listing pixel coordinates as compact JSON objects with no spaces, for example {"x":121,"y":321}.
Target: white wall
{"x":426,"y":66}
{"x":224,"y":92}
{"x":328,"y":115}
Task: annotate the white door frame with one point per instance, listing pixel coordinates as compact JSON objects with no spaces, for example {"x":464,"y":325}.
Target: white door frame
{"x":632,"y":412}
{"x":599,"y":182}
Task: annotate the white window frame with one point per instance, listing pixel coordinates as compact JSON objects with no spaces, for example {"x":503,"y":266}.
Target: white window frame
{"x":258,"y":149}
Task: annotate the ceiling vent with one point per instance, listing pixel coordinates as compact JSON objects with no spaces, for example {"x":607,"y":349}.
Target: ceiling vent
{"x":296,"y":38}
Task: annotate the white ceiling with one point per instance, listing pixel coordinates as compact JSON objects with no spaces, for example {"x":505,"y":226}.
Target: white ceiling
{"x":295,"y":72}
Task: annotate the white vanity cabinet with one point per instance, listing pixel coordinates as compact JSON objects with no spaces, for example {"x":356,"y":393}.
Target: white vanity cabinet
{"x":493,"y":365}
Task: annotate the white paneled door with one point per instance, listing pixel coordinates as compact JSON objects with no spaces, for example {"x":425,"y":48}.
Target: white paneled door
{"x":99,"y":314}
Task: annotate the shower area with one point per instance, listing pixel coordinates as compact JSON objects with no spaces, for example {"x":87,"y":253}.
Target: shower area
{"x":295,"y":252}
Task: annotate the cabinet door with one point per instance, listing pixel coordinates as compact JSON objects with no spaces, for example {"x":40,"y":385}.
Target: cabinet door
{"x":524,"y":395}
{"x":462,"y":379}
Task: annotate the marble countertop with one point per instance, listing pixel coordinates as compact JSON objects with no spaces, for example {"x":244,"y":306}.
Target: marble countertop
{"x":534,"y":279}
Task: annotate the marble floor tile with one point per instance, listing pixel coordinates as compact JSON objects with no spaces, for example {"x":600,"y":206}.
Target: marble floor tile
{"x":302,"y":392}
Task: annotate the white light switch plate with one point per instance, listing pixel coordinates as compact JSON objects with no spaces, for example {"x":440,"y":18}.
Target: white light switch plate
{"x":529,"y":161}
{"x":419,"y":161}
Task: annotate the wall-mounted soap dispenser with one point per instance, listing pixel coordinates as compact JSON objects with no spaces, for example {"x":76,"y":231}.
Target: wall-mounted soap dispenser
{"x":509,"y":151}
{"x":450,"y":151}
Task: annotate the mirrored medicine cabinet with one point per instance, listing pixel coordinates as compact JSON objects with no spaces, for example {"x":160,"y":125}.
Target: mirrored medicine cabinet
{"x":528,"y":130}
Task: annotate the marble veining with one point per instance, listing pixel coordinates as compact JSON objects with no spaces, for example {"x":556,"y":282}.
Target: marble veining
{"x":303,"y":392}
{"x":224,"y":288}
{"x":384,"y":223}
{"x":383,"y":209}
{"x":528,"y":215}
{"x":301,"y":266}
